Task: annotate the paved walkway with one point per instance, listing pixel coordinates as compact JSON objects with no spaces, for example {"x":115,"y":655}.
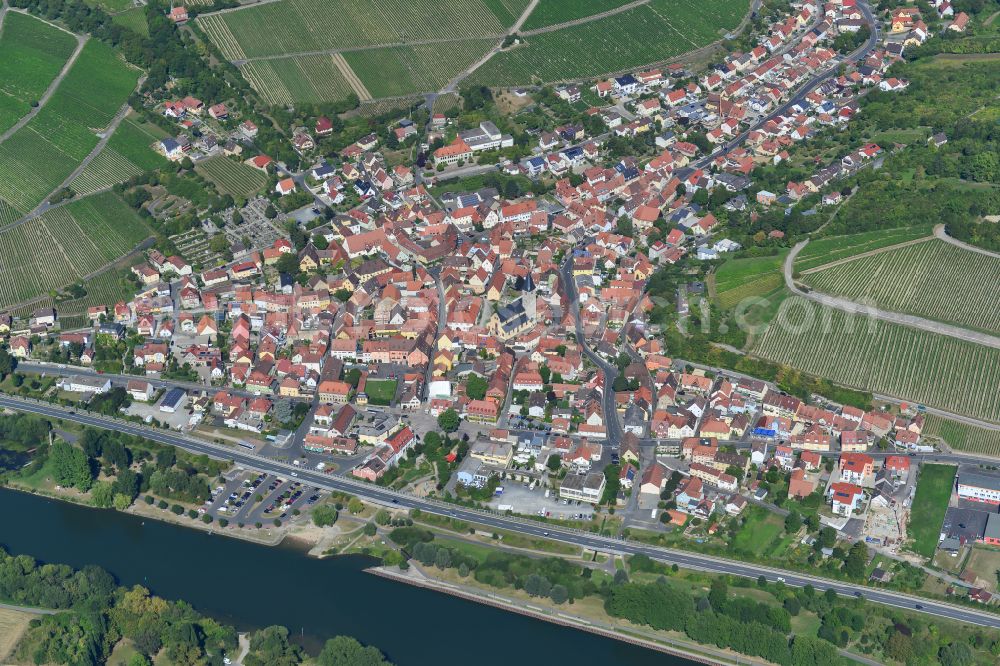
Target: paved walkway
{"x":942,"y":234}
{"x":29,"y":609}
{"x":852,"y":307}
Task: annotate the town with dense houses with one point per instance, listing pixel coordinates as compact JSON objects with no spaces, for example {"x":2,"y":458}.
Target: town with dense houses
{"x":441,"y":309}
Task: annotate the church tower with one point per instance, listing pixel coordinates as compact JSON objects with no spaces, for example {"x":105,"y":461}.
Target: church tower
{"x":528,"y":298}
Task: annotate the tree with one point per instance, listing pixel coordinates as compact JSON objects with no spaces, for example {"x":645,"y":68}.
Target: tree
{"x":554,"y":462}
{"x":346,"y":651}
{"x":287,"y":263}
{"x":442,"y":560}
{"x":123,"y":501}
{"x":476,"y":387}
{"x":382,"y":517}
{"x":355,"y":506}
{"x":7,"y":363}
{"x":955,"y":654}
{"x":899,"y":646}
{"x":559,"y":594}
{"x":448,"y":420}
{"x":793,"y":521}
{"x":827,"y":537}
{"x":857,"y":558}
{"x":270,"y":647}
{"x":792,"y":605}
{"x":369,"y":529}
{"x":70,"y":466}
{"x":102,"y":495}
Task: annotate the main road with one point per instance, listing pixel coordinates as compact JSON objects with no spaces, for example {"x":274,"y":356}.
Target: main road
{"x":578,"y":538}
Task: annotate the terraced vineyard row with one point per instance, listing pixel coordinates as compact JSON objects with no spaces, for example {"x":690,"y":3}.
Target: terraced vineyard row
{"x":39,"y":156}
{"x":134,"y":19}
{"x":833,"y":248}
{"x":934,"y":279}
{"x":65,"y":244}
{"x":107,"y":169}
{"x":105,"y":289}
{"x":657,"y":31}
{"x":877,"y":356}
{"x":405,"y":70}
{"x":297,"y":26}
{"x":32,"y":53}
{"x":299,"y":79}
{"x":232,"y":177}
{"x":553,"y":12}
{"x":962,"y":436}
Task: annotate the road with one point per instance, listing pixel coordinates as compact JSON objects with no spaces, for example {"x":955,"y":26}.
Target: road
{"x":611,"y":422}
{"x":577,"y":538}
{"x":868,"y":310}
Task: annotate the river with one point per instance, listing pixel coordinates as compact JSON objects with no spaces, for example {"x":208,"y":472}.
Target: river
{"x":251,"y":586}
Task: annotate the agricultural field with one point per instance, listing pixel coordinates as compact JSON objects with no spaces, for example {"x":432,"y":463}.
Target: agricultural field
{"x":297,"y":26}
{"x":884,"y":358}
{"x":554,"y":12}
{"x":36,"y":159}
{"x":962,"y":436}
{"x":933,"y":279}
{"x":232,"y":177}
{"x":826,"y":250}
{"x":312,"y":79}
{"x":134,"y":19}
{"x":13,"y":624}
{"x":405,"y":70}
{"x":660,"y":30}
{"x":134,"y":140}
{"x":738,"y":279}
{"x":66,"y":244}
{"x":934,"y":487}
{"x":32,"y":53}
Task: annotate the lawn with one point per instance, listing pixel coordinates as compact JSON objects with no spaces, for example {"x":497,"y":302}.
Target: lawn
{"x":934,"y":486}
{"x":738,"y":279}
{"x":381,"y":391}
{"x":759,"y":532}
{"x":32,"y":53}
{"x":985,"y":563}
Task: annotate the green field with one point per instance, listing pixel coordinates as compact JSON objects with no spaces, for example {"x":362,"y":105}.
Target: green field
{"x":232,"y":177}
{"x":660,"y":30}
{"x":105,"y":170}
{"x":296,"y":26}
{"x":554,"y":12}
{"x":392,"y":72}
{"x":881,"y":357}
{"x":962,"y":436}
{"x":833,"y":248}
{"x":32,"y":53}
{"x":738,"y":279}
{"x":133,"y":140}
{"x":312,"y":78}
{"x":934,"y":279}
{"x":65,"y":244}
{"x":759,"y":532}
{"x":36,"y":159}
{"x":934,"y":487}
{"x":381,"y":391}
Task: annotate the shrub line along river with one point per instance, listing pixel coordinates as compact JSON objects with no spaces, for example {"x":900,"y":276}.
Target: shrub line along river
{"x":251,"y":586}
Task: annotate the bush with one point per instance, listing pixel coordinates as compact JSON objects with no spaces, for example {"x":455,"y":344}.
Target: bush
{"x":177,"y":509}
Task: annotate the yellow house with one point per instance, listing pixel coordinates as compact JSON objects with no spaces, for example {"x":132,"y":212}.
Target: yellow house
{"x":498,"y":454}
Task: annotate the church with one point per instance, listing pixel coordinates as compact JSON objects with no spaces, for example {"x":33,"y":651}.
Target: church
{"x":509,"y":321}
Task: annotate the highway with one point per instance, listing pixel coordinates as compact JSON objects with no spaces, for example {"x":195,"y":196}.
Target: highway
{"x":579,"y":538}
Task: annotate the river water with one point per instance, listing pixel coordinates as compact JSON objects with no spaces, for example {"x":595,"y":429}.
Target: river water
{"x":251,"y":586}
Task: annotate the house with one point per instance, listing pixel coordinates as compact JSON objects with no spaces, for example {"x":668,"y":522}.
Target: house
{"x":86,"y":384}
{"x":856,"y":468}
{"x":583,"y":487}
{"x":653,"y":480}
{"x":139,"y":390}
{"x":285,"y":186}
{"x":846,"y":498}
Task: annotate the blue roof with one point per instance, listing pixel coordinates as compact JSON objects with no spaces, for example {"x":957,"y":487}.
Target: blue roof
{"x":626,"y":80}
{"x":173,"y":397}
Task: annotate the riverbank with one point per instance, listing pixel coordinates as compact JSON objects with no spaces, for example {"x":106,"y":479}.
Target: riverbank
{"x":691,"y":651}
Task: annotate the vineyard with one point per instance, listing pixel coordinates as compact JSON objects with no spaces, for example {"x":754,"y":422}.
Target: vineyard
{"x":106,"y":289}
{"x":962,"y":436}
{"x":32,"y":53}
{"x":37,"y":158}
{"x":553,"y":12}
{"x":134,"y":19}
{"x":107,"y":169}
{"x":834,"y":248}
{"x":297,"y":26}
{"x":312,"y":79}
{"x":654,"y":32}
{"x":881,"y":357}
{"x":405,"y":70}
{"x":65,"y":244}
{"x":232,"y":177}
{"x":933,"y":279}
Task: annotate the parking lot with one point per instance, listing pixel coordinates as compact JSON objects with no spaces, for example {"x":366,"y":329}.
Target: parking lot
{"x":237,"y":499}
{"x":527,"y":502}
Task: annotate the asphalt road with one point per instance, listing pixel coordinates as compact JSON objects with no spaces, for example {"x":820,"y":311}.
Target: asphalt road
{"x":579,"y":538}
